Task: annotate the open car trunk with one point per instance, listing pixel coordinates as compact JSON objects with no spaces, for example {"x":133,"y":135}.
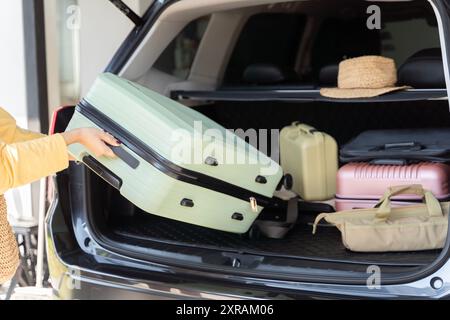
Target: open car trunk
{"x":121,"y":222}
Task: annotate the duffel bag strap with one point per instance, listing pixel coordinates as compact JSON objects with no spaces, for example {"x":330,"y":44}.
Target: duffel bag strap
{"x":276,"y":229}
{"x":384,"y":206}
{"x":319,"y":218}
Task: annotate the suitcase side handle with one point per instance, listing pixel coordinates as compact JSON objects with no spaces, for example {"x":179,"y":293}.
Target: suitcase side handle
{"x":304,"y":128}
{"x":125,"y":156}
{"x":410,"y":146}
{"x":389,"y":162}
{"x":103,"y":172}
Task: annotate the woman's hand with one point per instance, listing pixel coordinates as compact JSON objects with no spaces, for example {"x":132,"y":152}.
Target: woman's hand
{"x":93,"y":139}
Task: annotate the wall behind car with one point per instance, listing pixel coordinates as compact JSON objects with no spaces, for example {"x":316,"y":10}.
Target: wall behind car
{"x":103,"y":29}
{"x":75,"y":55}
{"x":22,"y":202}
{"x":82,"y":37}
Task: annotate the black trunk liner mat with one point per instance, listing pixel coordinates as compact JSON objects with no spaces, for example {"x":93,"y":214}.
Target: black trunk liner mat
{"x":343,"y":122}
{"x":326,"y":245}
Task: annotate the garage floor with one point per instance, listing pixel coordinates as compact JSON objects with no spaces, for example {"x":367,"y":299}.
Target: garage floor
{"x":28,"y":293}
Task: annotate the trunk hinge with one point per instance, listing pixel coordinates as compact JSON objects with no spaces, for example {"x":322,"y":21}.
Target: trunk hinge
{"x":133,"y":16}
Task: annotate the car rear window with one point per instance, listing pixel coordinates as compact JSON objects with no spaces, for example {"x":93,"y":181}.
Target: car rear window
{"x":178,"y":57}
{"x":267,"y":38}
{"x":280,"y":39}
{"x":399,"y":38}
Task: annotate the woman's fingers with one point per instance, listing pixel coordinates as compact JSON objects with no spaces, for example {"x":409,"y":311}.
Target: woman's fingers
{"x":97,"y":141}
{"x":109,"y":153}
{"x":109,"y":139}
{"x":101,"y":149}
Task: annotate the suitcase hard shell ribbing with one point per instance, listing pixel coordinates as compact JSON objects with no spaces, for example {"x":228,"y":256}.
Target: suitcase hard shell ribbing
{"x":207,"y":192}
{"x":360,"y":185}
{"x":311,"y":157}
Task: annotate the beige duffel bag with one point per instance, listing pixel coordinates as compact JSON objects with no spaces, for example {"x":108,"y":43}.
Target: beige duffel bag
{"x":9,"y":252}
{"x":383,"y":228}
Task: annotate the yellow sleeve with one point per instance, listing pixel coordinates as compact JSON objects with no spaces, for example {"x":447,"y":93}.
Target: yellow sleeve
{"x":24,"y":162}
{"x":10,"y":132}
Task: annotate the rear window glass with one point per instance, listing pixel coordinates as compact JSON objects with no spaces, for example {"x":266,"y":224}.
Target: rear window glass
{"x":401,"y":39}
{"x":178,"y":57}
{"x":268,"y":38}
{"x":303,"y":41}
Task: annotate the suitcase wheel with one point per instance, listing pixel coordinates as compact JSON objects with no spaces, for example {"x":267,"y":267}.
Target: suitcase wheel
{"x":287,"y":182}
{"x":252,"y":234}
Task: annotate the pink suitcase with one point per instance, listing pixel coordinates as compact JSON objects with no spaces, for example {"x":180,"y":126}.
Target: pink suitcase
{"x":361,"y":185}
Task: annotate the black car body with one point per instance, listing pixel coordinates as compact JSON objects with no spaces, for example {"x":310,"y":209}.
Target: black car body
{"x":94,"y":253}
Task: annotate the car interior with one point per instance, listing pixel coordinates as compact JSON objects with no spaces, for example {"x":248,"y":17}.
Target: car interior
{"x":264,"y":71}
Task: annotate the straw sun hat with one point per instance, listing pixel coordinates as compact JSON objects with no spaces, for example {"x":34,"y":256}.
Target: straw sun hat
{"x":364,"y":77}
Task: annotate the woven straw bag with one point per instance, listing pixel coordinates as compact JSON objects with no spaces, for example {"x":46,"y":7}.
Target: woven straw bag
{"x":9,"y":251}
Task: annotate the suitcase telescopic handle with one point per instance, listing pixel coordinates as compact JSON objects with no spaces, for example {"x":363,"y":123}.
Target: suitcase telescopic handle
{"x":125,"y":156}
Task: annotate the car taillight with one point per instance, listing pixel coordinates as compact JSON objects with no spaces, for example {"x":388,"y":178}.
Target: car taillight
{"x":60,"y":119}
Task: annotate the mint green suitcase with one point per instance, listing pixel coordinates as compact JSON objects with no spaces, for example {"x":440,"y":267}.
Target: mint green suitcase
{"x":174,"y":162}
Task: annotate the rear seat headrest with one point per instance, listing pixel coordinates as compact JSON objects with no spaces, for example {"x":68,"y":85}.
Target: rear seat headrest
{"x":266,"y":74}
{"x":423,"y":69}
{"x":328,"y":75}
